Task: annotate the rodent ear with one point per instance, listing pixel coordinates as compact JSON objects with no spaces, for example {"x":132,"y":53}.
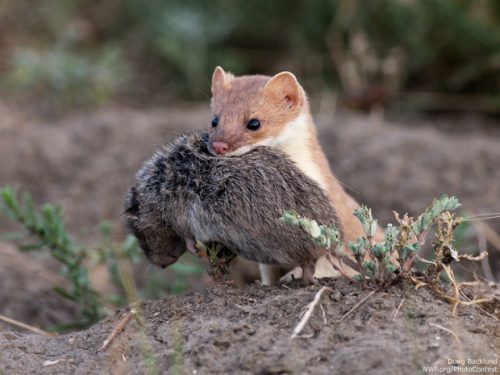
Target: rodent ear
{"x":284,"y":86}
{"x":220,"y":80}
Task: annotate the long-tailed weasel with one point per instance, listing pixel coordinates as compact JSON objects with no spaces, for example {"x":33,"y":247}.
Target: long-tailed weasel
{"x":251,"y":111}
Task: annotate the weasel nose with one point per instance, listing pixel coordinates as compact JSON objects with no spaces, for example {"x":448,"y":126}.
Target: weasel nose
{"x":220,"y":148}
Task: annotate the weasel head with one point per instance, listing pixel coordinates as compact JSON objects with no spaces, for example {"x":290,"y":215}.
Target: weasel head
{"x":251,"y":111}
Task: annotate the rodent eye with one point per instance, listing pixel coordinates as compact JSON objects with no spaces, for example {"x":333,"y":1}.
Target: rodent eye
{"x":253,"y":124}
{"x":215,"y":121}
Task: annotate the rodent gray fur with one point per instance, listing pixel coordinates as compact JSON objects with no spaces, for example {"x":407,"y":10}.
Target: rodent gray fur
{"x":184,"y":193}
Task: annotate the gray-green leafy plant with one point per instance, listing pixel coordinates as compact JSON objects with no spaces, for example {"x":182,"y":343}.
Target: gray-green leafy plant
{"x":379,"y":263}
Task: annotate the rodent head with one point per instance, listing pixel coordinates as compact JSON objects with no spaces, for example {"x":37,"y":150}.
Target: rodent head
{"x":159,"y":242}
{"x":251,"y":111}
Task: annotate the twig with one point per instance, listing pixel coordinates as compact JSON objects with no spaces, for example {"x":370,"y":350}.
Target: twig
{"x":398,"y":308}
{"x":26,"y":326}
{"x":323,"y":313}
{"x":447,"y":330}
{"x":118,"y":329}
{"x":51,"y":363}
{"x":308,"y":336}
{"x":357,"y":305}
{"x":481,"y":215}
{"x":309,"y":309}
{"x":481,"y":218}
{"x":455,"y":300}
{"x":483,"y":245}
{"x":478,"y":306}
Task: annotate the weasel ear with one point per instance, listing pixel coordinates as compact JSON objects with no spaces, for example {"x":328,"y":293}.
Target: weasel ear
{"x":285,"y":87}
{"x":220,"y":80}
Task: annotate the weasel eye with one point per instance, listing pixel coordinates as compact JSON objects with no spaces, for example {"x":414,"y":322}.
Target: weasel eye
{"x":215,"y":121}
{"x":253,"y":124}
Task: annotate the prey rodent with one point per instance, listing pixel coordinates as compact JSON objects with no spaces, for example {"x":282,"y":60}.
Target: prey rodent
{"x":184,"y":194}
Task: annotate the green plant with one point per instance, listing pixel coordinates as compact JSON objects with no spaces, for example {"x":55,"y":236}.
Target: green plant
{"x":219,"y":258}
{"x":48,"y":227}
{"x":71,"y":77}
{"x":380,"y":263}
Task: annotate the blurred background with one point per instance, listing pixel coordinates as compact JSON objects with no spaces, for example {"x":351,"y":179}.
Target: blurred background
{"x":420,"y":55}
{"x":406,"y":95}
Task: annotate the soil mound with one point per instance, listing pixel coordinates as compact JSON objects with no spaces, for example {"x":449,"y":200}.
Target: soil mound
{"x":226,"y":330}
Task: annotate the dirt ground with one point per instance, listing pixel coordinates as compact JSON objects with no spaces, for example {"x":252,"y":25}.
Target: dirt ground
{"x":226,"y":330}
{"x":86,"y":162}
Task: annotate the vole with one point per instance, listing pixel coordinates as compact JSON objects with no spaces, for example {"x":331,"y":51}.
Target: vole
{"x":252,"y":111}
{"x":185,"y":194}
